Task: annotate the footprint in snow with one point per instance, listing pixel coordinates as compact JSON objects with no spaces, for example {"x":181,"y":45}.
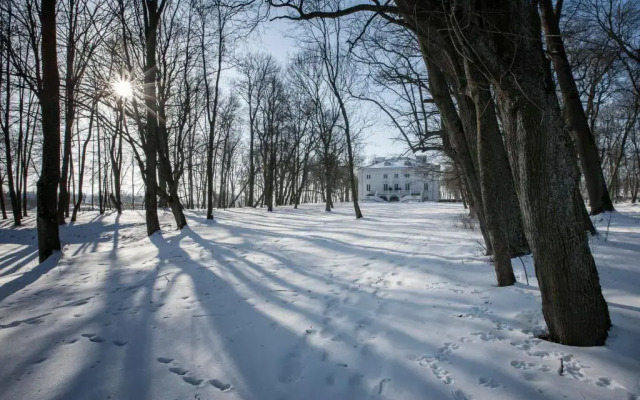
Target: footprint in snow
{"x":488,"y":336}
{"x":603,"y":382}
{"x":291,"y":367}
{"x":488,"y":382}
{"x":192,"y":380}
{"x":524,"y":366}
{"x":220,"y":385}
{"x":439,"y":372}
{"x":460,"y":395}
{"x":164,"y":360}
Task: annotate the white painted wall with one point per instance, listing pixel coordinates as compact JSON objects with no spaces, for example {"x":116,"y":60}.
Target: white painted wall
{"x":375,"y":177}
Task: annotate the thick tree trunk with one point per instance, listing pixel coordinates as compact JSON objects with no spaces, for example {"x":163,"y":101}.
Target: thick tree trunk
{"x":177,"y":210}
{"x":151,"y":182}
{"x":504,"y":191}
{"x":492,"y":175}
{"x":47,"y":221}
{"x":496,"y":165}
{"x":544,"y":166}
{"x":162,"y":183}
{"x":574,"y":114}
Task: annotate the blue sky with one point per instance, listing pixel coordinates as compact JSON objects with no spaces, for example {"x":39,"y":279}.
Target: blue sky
{"x":379,"y":137}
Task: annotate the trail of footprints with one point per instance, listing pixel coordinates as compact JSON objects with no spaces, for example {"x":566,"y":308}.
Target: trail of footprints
{"x":175,"y":368}
{"x":434,"y":362}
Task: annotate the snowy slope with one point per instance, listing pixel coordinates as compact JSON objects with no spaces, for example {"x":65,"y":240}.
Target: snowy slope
{"x":300,"y":304}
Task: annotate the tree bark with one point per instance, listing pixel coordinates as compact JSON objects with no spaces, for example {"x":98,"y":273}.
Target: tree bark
{"x":2,"y":205}
{"x":352,"y":177}
{"x":544,"y":165}
{"x":252,"y":168}
{"x":15,"y":203}
{"x":47,"y":221}
{"x":577,"y":122}
{"x":455,"y":131}
{"x":492,"y":175}
{"x":152,"y":20}
{"x":69,"y":114}
{"x":168,"y":192}
{"x":83,"y":158}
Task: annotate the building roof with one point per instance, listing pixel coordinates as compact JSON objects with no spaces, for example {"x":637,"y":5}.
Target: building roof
{"x":399,"y":162}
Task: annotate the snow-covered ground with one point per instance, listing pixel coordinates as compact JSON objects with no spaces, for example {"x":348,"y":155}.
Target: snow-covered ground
{"x":300,"y":304}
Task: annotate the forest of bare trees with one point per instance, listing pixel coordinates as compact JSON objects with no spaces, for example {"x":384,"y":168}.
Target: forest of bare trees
{"x":154,"y":104}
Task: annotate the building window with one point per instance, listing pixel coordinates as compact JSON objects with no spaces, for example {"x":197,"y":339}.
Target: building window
{"x":368,"y":176}
{"x":368,"y":188}
{"x":407,"y":186}
{"x":384,"y":176}
{"x":426,"y":186}
{"x":397,"y":186}
{"x":386,"y":187}
{"x":395,"y":175}
{"x":407,"y":175}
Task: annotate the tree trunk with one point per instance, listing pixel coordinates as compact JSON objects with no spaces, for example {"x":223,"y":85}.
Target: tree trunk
{"x":69,"y":112}
{"x":116,"y":165}
{"x":83,"y":158}
{"x":252,"y":168}
{"x":492,"y":175}
{"x":2,"y":205}
{"x":574,"y":114}
{"x":212,"y":126}
{"x":168,"y":193}
{"x":15,"y":203}
{"x":544,"y":165}
{"x":455,"y":131}
{"x":151,"y":182}
{"x":162,"y":183}
{"x":347,"y":132}
{"x":100,"y":202}
{"x":47,"y":221}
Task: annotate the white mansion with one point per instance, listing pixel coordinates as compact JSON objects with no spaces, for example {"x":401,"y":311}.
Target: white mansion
{"x":399,"y":179}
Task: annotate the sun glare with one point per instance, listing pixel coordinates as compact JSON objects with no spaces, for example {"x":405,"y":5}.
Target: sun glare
{"x":123,"y":88}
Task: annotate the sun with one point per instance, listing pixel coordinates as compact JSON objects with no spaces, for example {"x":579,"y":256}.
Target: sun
{"x":123,"y":88}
